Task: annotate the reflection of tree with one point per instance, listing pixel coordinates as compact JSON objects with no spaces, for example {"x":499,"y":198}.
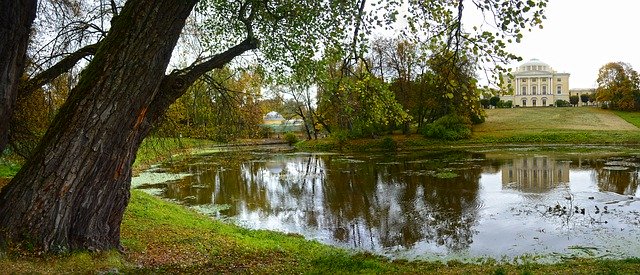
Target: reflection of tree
{"x":416,"y":206}
{"x":356,"y":203}
{"x":535,"y":174}
{"x":617,"y":175}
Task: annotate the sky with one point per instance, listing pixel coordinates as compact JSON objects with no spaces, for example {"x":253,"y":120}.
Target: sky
{"x":580,"y":36}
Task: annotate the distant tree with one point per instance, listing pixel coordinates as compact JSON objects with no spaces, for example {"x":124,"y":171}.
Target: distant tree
{"x":584,"y":98}
{"x":222,"y":105}
{"x":494,"y":101}
{"x":619,"y":86}
{"x":485,"y":103}
{"x":574,"y":99}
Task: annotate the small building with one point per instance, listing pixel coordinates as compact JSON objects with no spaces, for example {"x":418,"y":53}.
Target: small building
{"x":273,"y":118}
{"x":535,"y":83}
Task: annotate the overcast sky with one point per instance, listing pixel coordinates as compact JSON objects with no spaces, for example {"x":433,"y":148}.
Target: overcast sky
{"x":580,"y":36}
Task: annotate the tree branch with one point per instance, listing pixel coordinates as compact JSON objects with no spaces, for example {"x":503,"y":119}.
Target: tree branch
{"x":176,"y":84}
{"x":56,"y":70}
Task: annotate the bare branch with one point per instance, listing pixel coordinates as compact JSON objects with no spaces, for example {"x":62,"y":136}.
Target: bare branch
{"x":56,"y":70}
{"x":176,"y":84}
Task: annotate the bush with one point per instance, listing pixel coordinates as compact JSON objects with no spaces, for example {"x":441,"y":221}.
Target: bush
{"x":388,"y":144}
{"x":265,"y":132}
{"x":449,"y":127}
{"x":494,"y":101}
{"x":341,"y":138}
{"x":485,"y":103}
{"x":291,"y":138}
{"x":505,"y":104}
{"x":562,"y":103}
{"x":477,"y":119}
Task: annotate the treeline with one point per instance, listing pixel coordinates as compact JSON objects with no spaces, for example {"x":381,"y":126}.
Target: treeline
{"x":398,"y":86}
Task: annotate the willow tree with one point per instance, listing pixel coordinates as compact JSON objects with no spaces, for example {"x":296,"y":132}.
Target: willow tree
{"x":72,"y":192}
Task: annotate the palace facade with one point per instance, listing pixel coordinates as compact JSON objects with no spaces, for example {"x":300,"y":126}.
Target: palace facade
{"x":535,"y":83}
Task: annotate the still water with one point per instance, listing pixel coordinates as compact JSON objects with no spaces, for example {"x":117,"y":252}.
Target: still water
{"x":421,"y":205}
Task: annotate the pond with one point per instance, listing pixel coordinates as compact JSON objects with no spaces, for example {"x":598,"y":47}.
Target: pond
{"x":421,"y":205}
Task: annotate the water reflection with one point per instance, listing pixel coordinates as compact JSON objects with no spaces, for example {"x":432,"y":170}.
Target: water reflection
{"x":425,"y":202}
{"x":537,"y":174}
{"x":619,"y":175}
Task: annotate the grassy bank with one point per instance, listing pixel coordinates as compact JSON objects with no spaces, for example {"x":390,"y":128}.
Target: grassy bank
{"x":153,"y":150}
{"x":517,"y":126}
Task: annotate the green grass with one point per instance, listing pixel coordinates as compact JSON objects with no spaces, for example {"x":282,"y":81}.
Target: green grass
{"x":8,"y":168}
{"x":517,"y":126}
{"x":155,"y":149}
{"x":631,"y":117}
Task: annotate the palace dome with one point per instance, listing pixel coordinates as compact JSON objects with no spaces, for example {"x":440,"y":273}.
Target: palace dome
{"x":534,"y":65}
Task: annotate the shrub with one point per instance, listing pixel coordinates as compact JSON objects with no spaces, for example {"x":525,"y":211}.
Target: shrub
{"x":449,"y":127}
{"x":477,"y":119}
{"x":494,"y":101}
{"x":388,"y":144}
{"x":265,"y":132}
{"x":505,"y":104}
{"x":341,"y":138}
{"x":562,"y":103}
{"x":485,"y":103}
{"x":291,"y":138}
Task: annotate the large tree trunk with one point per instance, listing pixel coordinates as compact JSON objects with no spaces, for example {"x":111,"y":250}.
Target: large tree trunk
{"x":73,"y":192}
{"x":16,"y":17}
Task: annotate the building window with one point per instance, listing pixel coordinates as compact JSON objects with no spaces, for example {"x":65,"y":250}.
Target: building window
{"x":533,"y":103}
{"x":524,"y":90}
{"x":559,"y":79}
{"x":534,"y":80}
{"x":524,"y":102}
{"x":524,"y":80}
{"x":534,"y":90}
{"x":544,"y":101}
{"x":559,"y":89}
{"x":544,"y":80}
{"x":544,"y":90}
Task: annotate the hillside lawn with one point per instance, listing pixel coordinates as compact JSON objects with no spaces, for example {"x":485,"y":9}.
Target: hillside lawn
{"x":541,"y":126}
{"x":549,"y":119}
{"x":549,"y":125}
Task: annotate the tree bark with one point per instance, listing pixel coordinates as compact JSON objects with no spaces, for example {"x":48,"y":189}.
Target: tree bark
{"x":72,"y":193}
{"x":16,"y":18}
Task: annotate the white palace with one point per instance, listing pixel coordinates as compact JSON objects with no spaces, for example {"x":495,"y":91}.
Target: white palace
{"x":535,"y":83}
